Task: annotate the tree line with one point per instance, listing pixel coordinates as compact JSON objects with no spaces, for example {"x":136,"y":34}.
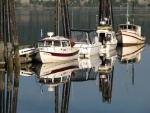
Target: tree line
{"x":71,"y":3}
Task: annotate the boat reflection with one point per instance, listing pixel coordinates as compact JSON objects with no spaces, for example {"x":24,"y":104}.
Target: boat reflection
{"x":54,"y":74}
{"x":88,"y":68}
{"x":106,"y":71}
{"x":130,"y":54}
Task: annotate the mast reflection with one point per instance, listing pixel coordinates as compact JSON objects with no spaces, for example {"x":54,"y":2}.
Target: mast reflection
{"x":106,"y":71}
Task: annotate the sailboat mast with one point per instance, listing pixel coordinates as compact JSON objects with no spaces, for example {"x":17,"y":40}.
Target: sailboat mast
{"x":127,"y":15}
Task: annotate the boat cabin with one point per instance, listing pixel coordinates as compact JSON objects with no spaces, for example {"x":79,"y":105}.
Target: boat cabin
{"x":105,"y":36}
{"x":53,"y":43}
{"x":132,"y":27}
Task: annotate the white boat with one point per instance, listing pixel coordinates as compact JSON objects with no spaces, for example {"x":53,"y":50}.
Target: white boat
{"x":55,"y":49}
{"x":26,"y":51}
{"x":130,"y":53}
{"x":54,"y":74}
{"x":129,"y":34}
{"x":86,"y":42}
{"x":107,"y":38}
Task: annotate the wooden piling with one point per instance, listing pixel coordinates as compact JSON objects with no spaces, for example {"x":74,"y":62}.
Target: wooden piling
{"x":17,"y":64}
{"x":65,"y":19}
{"x":56,"y":14}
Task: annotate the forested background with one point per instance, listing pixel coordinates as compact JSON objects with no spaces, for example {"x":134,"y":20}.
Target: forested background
{"x":76,"y":3}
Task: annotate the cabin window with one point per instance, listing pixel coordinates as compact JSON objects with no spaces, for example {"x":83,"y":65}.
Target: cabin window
{"x":57,"y":43}
{"x":64,"y":44}
{"x":108,"y":37}
{"x":49,"y":43}
{"x":68,"y":43}
{"x":41,"y":44}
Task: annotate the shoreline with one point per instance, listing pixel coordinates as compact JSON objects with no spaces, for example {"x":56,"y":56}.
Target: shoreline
{"x":93,"y":8}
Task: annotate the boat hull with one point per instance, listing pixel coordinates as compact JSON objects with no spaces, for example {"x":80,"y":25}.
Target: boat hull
{"x":127,"y":38}
{"x":108,"y":47}
{"x":46,"y":57}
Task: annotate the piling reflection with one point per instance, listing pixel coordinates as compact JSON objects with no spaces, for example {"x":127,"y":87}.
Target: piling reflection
{"x":106,"y":71}
{"x":9,"y":85}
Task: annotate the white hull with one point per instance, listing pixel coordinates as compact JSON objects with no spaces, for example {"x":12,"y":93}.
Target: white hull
{"x":128,"y":37}
{"x":108,"y":47}
{"x":46,"y":57}
{"x":87,"y":50}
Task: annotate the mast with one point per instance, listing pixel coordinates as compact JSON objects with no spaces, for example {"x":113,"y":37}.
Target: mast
{"x":133,"y":12}
{"x":127,"y":15}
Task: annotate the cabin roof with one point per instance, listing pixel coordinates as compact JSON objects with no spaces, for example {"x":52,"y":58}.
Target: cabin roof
{"x":54,"y":38}
{"x":104,"y":28}
{"x":129,"y":25}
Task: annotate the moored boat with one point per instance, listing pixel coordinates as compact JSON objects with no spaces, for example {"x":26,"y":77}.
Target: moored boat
{"x":107,"y":38}
{"x":129,"y":34}
{"x":86,"y":42}
{"x":55,"y":49}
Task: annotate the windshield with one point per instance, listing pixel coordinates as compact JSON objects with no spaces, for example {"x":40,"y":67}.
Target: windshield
{"x":81,"y":36}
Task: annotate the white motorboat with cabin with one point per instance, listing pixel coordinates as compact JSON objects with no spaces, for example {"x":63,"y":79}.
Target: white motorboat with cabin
{"x":55,"y":49}
{"x":129,"y":34}
{"x":107,"y":38}
{"x":26,"y":51}
{"x":86,"y":42}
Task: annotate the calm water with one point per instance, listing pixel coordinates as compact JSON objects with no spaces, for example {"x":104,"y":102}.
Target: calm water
{"x":127,"y":85}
